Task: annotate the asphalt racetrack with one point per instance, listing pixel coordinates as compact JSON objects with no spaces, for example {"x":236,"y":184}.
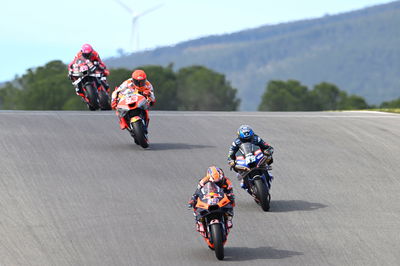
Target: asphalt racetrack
{"x":76,"y":190}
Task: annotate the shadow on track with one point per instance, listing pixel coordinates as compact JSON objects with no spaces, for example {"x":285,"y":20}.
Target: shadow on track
{"x":281,"y":206}
{"x":177,"y":146}
{"x":294,"y":205}
{"x":129,"y":146}
{"x":245,"y":253}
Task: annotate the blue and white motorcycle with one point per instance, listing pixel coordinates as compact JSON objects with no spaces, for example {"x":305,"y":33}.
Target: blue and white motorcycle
{"x":251,"y":165}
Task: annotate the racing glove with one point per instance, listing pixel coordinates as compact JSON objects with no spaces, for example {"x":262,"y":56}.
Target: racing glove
{"x":114,"y":104}
{"x":190,"y":204}
{"x":231,"y":197}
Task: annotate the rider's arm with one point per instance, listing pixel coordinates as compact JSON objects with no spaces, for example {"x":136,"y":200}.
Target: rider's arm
{"x":96,"y":57}
{"x":192,"y":201}
{"x":229,"y":190}
{"x":150,"y":93}
{"x":233,"y":149}
{"x":121,"y":87}
{"x":264,"y":145}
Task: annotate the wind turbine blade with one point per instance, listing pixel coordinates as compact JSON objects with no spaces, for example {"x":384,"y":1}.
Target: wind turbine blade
{"x":150,"y":10}
{"x":124,"y":6}
{"x":133,"y":32}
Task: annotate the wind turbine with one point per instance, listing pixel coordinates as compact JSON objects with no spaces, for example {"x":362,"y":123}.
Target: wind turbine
{"x":135,"y":21}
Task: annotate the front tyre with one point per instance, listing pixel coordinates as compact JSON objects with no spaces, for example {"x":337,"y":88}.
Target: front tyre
{"x":262,"y":194}
{"x":139,"y":133}
{"x":217,"y":238}
{"x":93,"y":97}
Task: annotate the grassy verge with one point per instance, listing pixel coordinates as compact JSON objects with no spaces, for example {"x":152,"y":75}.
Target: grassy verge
{"x":389,"y":110}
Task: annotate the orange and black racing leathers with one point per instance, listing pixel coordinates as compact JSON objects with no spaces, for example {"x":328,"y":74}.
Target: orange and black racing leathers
{"x":225,"y":183}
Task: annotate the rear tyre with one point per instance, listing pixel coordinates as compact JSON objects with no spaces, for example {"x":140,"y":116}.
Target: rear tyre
{"x":93,"y":97}
{"x":104,"y":100}
{"x":216,"y":234}
{"x":262,"y":194}
{"x":139,"y":133}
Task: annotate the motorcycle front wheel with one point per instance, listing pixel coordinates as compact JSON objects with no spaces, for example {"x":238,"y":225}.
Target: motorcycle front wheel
{"x":217,"y":238}
{"x":104,"y":100}
{"x":93,"y":97}
{"x":139,"y":133}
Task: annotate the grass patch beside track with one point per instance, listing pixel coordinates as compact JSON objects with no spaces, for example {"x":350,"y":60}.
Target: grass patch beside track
{"x":388,"y":110}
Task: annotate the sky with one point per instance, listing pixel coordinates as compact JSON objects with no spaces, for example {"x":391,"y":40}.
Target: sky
{"x":33,"y":33}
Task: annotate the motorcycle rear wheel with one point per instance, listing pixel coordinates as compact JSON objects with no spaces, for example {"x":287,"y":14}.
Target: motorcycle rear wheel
{"x":139,"y":133}
{"x":216,"y":234}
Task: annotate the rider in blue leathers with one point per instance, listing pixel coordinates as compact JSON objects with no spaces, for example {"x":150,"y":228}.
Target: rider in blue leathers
{"x":246,"y":134}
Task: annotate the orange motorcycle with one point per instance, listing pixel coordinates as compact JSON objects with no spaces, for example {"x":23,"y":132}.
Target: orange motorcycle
{"x":211,"y":211}
{"x":133,"y":112}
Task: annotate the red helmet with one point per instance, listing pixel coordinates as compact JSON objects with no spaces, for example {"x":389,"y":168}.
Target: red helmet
{"x":139,"y":78}
{"x":215,"y":174}
{"x":86,"y":50}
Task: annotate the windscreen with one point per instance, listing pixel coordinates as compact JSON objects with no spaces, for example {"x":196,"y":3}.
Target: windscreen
{"x":210,"y":187}
{"x":247,"y":148}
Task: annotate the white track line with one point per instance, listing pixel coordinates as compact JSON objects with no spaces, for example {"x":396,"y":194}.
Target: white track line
{"x":347,"y":114}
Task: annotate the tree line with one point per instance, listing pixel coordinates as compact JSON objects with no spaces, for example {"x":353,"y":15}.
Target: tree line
{"x":191,"y":88}
{"x":291,"y":95}
{"x":194,"y":88}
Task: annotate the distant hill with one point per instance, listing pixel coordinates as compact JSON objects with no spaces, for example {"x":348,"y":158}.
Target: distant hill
{"x":359,"y":51}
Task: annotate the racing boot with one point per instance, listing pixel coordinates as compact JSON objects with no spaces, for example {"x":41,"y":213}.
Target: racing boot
{"x":229,"y":223}
{"x":105,"y":85}
{"x":200,"y":228}
{"x":122,"y":123}
{"x":269,"y":181}
{"x":243,"y":185}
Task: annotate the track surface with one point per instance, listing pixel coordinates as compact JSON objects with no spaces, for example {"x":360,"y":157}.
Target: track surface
{"x":75,"y":190}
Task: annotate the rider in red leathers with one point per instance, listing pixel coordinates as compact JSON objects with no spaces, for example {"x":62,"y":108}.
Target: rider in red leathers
{"x":87,"y":52}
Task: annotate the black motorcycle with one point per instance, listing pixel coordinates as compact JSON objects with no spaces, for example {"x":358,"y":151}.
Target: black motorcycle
{"x":251,"y":165}
{"x":86,"y":77}
{"x":211,"y":210}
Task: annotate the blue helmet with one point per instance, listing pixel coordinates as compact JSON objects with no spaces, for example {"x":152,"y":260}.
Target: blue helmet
{"x":245,"y":132}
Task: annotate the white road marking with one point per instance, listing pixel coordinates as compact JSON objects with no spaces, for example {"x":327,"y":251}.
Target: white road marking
{"x":346,"y":114}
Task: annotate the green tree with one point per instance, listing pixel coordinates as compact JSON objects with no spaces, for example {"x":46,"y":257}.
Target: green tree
{"x":391,"y":104}
{"x":292,"y":96}
{"x":192,"y":88}
{"x":286,"y":96}
{"x":164,"y":81}
{"x":326,"y":95}
{"x":117,"y":76}
{"x":355,"y":102}
{"x":352,"y":102}
{"x":9,"y":96}
{"x":202,"y":89}
{"x":43,"y":88}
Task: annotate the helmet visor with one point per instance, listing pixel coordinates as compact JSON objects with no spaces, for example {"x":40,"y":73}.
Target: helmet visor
{"x":86,"y":55}
{"x":139,"y":83}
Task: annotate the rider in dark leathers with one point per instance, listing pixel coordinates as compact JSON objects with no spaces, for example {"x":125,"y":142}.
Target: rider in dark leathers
{"x":216,"y":175}
{"x":246,"y":134}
